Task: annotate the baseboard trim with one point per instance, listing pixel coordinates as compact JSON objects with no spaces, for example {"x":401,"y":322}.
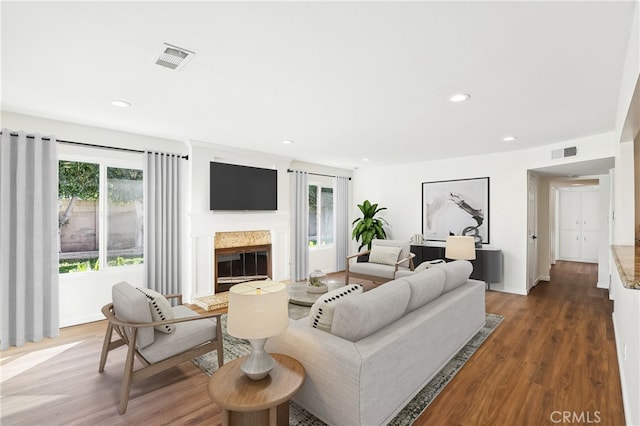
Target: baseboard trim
{"x":545,"y":278}
{"x":81,"y":320}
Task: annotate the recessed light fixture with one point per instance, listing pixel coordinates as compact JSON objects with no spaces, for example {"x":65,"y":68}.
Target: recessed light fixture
{"x":509,"y":138}
{"x":120,"y":103}
{"x":287,"y":142}
{"x":460,"y":97}
{"x":366,"y":159}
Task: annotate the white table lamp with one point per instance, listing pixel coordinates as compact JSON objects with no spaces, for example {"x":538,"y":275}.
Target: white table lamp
{"x":460,"y":247}
{"x":257,"y":311}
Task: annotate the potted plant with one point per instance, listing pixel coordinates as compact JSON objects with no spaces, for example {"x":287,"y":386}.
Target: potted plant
{"x":368,"y":227}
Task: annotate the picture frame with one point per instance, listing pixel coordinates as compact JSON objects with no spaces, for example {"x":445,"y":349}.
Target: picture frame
{"x":456,"y":207}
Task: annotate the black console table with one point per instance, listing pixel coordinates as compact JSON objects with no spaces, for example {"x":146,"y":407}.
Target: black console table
{"x":487,"y":266}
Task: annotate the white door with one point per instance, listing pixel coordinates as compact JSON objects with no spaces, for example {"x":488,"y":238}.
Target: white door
{"x":532,"y":221}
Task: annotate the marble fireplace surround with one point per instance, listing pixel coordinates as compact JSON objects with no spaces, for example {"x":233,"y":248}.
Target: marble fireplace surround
{"x":237,"y":244}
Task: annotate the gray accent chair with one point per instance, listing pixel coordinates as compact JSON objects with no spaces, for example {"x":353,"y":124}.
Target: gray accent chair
{"x":130,"y":317}
{"x":377,"y":272}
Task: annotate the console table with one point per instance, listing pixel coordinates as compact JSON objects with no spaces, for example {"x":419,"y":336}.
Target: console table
{"x":487,"y":266}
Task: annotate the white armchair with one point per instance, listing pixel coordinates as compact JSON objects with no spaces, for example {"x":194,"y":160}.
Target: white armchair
{"x":130,"y":317}
{"x":386,"y":259}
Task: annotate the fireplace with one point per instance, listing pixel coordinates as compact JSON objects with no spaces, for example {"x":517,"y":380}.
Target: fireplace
{"x":241,"y":257}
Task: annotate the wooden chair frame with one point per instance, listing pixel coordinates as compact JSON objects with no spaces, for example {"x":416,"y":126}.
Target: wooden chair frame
{"x":376,"y":279}
{"x":128,"y":333}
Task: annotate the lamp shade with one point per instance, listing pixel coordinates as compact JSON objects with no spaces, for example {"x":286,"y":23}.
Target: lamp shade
{"x":257,"y":309}
{"x":460,"y":247}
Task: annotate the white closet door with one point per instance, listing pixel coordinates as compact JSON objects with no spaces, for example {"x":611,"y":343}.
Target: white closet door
{"x":589,"y":246}
{"x":570,"y":245}
{"x":570,"y":210}
{"x":590,"y":211}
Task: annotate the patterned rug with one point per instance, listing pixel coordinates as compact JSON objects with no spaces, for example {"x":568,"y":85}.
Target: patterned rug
{"x":298,"y":416}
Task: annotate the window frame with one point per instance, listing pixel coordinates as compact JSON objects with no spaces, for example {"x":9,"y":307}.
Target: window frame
{"x":121,"y":161}
{"x":320,"y":185}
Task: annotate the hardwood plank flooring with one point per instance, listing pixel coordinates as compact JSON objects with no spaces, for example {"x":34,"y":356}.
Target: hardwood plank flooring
{"x":554,"y":352}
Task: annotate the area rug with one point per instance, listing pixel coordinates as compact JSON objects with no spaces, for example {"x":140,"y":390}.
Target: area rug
{"x":298,"y":416}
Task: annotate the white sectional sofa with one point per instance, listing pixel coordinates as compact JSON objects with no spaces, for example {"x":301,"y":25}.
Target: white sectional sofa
{"x":384,"y":344}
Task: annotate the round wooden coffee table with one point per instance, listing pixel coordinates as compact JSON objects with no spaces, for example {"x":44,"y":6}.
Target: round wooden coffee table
{"x":298,"y":294}
{"x":256,"y":402}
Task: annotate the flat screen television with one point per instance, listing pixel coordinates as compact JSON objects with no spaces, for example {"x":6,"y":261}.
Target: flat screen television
{"x":235,"y":187}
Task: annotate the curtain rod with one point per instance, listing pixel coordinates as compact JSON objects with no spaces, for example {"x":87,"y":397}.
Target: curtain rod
{"x":317,"y":174}
{"x":90,"y":145}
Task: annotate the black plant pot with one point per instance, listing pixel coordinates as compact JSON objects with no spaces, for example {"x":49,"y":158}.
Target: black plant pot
{"x":363,"y":258}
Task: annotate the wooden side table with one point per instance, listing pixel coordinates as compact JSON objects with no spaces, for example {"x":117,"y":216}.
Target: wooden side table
{"x":256,"y":402}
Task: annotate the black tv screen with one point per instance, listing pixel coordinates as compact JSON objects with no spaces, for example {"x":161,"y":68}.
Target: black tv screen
{"x":234,"y":187}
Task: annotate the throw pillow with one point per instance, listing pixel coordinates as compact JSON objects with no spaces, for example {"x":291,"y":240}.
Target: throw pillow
{"x":384,"y":255}
{"x":321,"y":313}
{"x":427,"y":264}
{"x":160,"y":309}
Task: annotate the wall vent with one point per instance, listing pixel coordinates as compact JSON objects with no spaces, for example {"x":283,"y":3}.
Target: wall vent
{"x":172,"y":57}
{"x":572,"y":151}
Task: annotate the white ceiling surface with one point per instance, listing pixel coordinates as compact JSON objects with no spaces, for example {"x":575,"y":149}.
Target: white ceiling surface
{"x":343,"y":80}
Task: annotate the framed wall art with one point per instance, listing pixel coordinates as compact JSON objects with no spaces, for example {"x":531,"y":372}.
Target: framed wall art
{"x":456,"y":207}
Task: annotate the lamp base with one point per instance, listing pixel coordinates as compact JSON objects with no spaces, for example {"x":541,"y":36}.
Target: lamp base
{"x":259,"y":363}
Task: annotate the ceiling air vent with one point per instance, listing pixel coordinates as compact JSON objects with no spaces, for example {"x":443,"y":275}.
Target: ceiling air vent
{"x":572,"y":151}
{"x":172,"y":57}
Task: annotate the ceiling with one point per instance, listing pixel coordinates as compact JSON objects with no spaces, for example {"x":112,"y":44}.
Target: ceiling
{"x":342,"y":80}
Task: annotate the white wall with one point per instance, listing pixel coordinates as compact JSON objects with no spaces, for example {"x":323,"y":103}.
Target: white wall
{"x":204,"y":223}
{"x":83,"y":294}
{"x":626,"y":301}
{"x":399,"y":188}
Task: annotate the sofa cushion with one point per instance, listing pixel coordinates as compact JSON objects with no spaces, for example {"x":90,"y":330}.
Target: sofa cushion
{"x":425,"y":286}
{"x":384,"y":255}
{"x":357,"y":317}
{"x":131,"y":306}
{"x":187,"y":335}
{"x":321,"y":313}
{"x":457,"y":273}
{"x":160,"y":309}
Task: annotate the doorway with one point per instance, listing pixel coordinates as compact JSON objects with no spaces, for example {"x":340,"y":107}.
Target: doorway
{"x":544,"y":217}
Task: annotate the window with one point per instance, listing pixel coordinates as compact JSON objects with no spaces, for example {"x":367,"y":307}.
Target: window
{"x":320,"y":216}
{"x":95,"y":200}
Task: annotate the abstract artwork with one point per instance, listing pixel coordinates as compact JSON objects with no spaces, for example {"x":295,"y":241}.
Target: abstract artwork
{"x":456,"y":207}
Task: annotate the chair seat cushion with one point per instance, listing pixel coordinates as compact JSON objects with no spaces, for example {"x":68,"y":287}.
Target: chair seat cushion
{"x":187,"y":335}
{"x":374,"y":269}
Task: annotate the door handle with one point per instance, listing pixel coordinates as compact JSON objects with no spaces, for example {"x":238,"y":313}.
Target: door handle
{"x":533,"y":237}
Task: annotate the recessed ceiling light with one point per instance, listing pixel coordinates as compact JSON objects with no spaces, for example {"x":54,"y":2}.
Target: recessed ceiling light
{"x":365,"y":159}
{"x":509,"y":138}
{"x":120,"y":103}
{"x":287,"y":142}
{"x":460,"y":97}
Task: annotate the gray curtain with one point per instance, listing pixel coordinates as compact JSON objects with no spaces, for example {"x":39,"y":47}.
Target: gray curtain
{"x":29,"y":308}
{"x":341,"y":191}
{"x":162,"y":212}
{"x":299,"y":225}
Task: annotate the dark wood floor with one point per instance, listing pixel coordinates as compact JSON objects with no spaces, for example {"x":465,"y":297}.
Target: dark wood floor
{"x":553,"y":353}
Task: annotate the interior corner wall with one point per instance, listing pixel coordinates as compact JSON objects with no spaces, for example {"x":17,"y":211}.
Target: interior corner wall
{"x":544,"y":227}
{"x":507,"y":195}
{"x":624,"y":196}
